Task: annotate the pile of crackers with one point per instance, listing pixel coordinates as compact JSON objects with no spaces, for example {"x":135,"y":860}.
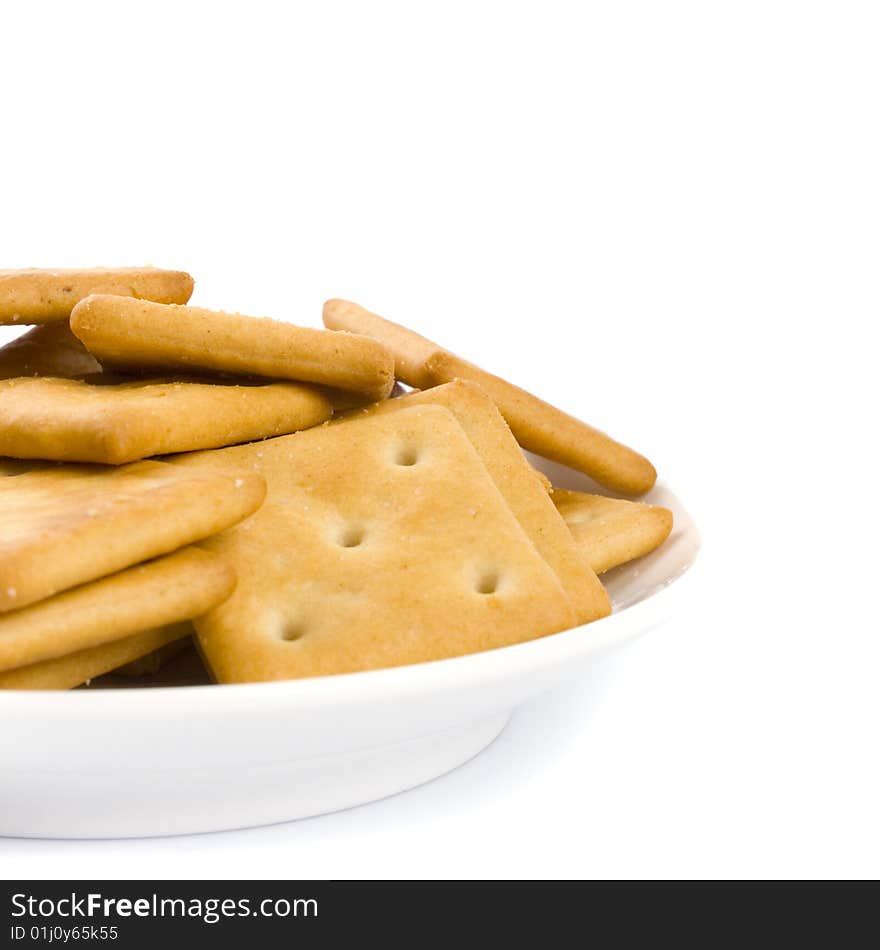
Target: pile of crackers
{"x":169,"y":472}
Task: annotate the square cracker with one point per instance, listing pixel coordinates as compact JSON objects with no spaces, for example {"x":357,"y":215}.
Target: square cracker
{"x":47,"y":350}
{"x":128,"y":333}
{"x":71,"y":420}
{"x":382,"y":542}
{"x":67,"y":525}
{"x":521,"y":486}
{"x":167,"y":590}
{"x":44,"y":296}
{"x":74,"y":669}
{"x":611,"y":531}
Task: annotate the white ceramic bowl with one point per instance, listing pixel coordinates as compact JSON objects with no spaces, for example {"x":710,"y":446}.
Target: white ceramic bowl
{"x":173,"y":760}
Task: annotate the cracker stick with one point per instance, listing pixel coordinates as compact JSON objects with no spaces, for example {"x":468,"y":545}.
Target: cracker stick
{"x":410,"y":351}
{"x":611,"y":531}
{"x":47,"y":350}
{"x":129,"y":333}
{"x":80,"y":421}
{"x":383,"y":541}
{"x":538,"y":426}
{"x":43,"y":296}
{"x":167,"y":590}
{"x":65,"y":672}
{"x":520,"y":485}
{"x":65,"y":526}
{"x":548,"y":431}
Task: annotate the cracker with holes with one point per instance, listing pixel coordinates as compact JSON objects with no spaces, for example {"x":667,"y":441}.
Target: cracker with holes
{"x":521,"y":486}
{"x":383,"y":541}
{"x":65,"y":526}
{"x":611,"y":531}
{"x":74,"y":669}
{"x":46,"y":296}
{"x":127,"y":333}
{"x":538,"y":426}
{"x":47,"y":350}
{"x":95,"y":421}
{"x":166,"y":590}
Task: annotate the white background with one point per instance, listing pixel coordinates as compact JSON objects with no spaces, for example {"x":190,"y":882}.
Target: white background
{"x":663,"y":216}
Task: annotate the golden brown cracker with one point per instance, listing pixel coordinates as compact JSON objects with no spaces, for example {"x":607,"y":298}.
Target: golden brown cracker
{"x":129,"y":333}
{"x":67,"y":525}
{"x":611,"y":531}
{"x":74,"y":669}
{"x":550,"y":432}
{"x":47,"y":350}
{"x":44,"y":296}
{"x":410,"y":351}
{"x":83,"y":421}
{"x":166,"y":590}
{"x":383,"y":541}
{"x":522,"y":487}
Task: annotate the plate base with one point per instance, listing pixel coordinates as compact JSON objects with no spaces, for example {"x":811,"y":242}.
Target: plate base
{"x":123,"y":804}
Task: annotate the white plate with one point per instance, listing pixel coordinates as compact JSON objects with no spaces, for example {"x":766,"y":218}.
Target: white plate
{"x":173,"y":760}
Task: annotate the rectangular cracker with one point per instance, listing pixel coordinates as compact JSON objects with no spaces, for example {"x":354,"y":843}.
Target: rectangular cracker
{"x":44,"y":296}
{"x":72,"y":420}
{"x":129,"y":333}
{"x":383,"y":541}
{"x":167,"y":590}
{"x":410,"y":351}
{"x":67,"y":525}
{"x":47,"y":350}
{"x":74,"y":669}
{"x":611,"y":531}
{"x":550,"y":432}
{"x":520,"y":485}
